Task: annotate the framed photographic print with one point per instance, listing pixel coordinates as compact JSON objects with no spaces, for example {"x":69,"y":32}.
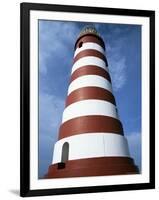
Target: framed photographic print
{"x":87,"y":99}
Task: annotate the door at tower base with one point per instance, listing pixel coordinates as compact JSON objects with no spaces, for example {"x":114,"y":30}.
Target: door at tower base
{"x":91,"y":139}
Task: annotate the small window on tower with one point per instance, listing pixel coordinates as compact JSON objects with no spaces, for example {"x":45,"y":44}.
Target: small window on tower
{"x":80,"y":44}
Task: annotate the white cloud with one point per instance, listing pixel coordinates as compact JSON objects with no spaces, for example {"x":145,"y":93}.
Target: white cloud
{"x":42,"y":60}
{"x":134,"y":141}
{"x":50,"y":113}
{"x":53,"y":41}
{"x":117,"y":64}
{"x":118,"y":72}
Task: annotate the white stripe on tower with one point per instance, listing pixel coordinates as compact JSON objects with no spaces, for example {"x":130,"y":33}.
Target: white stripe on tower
{"x":89,"y":107}
{"x":92,"y":145}
{"x":89,"y":45}
{"x":90,"y":81}
{"x":89,"y":60}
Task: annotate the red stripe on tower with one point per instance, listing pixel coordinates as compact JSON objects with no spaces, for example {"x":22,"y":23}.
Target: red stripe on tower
{"x":91,"y":141}
{"x":90,"y":70}
{"x":90,"y":93}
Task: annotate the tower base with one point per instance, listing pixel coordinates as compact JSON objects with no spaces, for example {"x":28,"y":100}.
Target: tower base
{"x":101,"y":166}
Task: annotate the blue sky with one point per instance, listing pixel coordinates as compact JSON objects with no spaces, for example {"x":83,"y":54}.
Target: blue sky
{"x":56,"y":48}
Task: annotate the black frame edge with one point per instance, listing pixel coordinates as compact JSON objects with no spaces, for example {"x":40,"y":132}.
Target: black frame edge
{"x":86,"y":9}
{"x":152,"y":99}
{"x":90,"y":189}
{"x":24,"y":101}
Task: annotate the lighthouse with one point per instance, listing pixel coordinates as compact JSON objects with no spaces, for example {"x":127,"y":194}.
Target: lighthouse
{"x":91,"y":139}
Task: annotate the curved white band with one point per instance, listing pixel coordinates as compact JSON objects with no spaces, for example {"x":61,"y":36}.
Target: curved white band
{"x":88,"y":81}
{"x":90,"y":145}
{"x":89,"y":45}
{"x":89,"y":60}
{"x":89,"y":107}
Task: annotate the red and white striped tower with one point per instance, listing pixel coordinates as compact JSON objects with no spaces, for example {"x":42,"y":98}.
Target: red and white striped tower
{"x":91,"y":140}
